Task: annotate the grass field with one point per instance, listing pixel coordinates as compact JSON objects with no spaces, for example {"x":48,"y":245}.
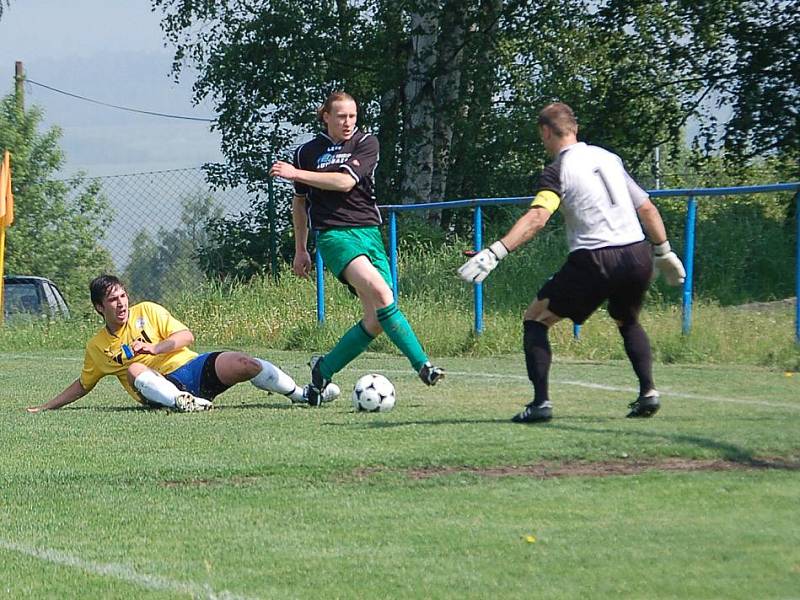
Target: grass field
{"x":441,"y":498}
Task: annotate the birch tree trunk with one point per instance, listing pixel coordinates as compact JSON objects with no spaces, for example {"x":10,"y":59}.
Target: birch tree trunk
{"x":447,"y":94}
{"x":419,"y":104}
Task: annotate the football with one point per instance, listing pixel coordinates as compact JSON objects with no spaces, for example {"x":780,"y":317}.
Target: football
{"x":373,"y":393}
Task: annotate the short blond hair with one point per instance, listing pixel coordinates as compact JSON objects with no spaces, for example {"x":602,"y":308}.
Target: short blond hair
{"x":560,"y":118}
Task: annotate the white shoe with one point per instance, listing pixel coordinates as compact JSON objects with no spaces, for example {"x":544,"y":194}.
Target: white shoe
{"x":329,"y":394}
{"x":185,"y":402}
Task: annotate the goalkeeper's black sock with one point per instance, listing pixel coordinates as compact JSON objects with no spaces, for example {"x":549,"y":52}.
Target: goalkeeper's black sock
{"x":637,"y":347}
{"x":538,"y":358}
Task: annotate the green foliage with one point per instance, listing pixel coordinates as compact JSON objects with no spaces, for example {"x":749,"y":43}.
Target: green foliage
{"x":745,"y":244}
{"x":761,"y":79}
{"x":58,"y":225}
{"x":634,"y":71}
{"x":159,"y":268}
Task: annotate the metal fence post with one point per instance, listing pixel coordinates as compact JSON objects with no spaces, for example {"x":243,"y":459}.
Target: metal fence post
{"x":320,"y":281}
{"x":478,"y":289}
{"x":688,"y":257}
{"x":797,"y":270}
{"x":393,"y":253}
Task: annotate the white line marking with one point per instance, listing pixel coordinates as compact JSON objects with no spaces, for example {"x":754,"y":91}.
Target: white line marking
{"x":611,"y":388}
{"x":121,"y":572}
{"x":597,"y":386}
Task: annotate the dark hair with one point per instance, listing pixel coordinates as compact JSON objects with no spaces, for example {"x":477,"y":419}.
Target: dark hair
{"x":335,"y":96}
{"x":100,"y":286}
{"x":560,"y":118}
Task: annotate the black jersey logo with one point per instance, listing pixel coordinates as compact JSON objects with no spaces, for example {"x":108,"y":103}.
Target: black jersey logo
{"x":332,"y":156}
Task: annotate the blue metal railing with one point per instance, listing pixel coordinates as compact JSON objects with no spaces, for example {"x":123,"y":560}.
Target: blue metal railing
{"x":478,"y":287}
{"x":691,"y":195}
{"x":688,"y":262}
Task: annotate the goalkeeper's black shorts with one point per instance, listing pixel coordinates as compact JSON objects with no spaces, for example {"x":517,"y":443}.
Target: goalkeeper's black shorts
{"x":619,"y":274}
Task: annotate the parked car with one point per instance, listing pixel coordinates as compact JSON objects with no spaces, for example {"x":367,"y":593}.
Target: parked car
{"x":29,"y":295}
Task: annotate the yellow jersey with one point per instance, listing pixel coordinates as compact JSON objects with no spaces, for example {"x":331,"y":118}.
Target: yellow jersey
{"x":148,"y":322}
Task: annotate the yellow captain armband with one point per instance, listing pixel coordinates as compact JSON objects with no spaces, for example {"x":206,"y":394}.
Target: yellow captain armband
{"x":547,"y":200}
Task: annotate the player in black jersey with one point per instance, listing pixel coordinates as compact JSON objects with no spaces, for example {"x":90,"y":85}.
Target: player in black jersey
{"x":333,"y":177}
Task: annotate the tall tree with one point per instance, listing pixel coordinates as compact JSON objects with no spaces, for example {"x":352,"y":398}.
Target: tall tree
{"x":419,"y":103}
{"x":763,"y":79}
{"x":452,"y":88}
{"x":59,"y":224}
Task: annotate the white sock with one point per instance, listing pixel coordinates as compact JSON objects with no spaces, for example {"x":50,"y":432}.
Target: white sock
{"x":272,"y":379}
{"x":156,"y":388}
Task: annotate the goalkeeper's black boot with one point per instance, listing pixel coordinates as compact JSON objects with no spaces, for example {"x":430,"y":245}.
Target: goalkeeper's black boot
{"x":316,"y":389}
{"x":535,"y":413}
{"x":644,"y":406}
{"x":431,"y":375}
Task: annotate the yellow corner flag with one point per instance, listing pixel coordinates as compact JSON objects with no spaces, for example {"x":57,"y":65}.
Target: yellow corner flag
{"x":6,"y":195}
{"x":6,"y":217}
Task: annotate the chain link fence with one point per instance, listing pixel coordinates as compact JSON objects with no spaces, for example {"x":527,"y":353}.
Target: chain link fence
{"x":172,"y":232}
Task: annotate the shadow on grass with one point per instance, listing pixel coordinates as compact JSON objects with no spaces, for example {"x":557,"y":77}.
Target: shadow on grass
{"x":727,"y":451}
{"x":217,"y":407}
{"x":111,"y":409}
{"x":257,"y":405}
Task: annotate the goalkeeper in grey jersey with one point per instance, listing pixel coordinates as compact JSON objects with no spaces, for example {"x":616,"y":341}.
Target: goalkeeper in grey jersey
{"x":609,"y":259}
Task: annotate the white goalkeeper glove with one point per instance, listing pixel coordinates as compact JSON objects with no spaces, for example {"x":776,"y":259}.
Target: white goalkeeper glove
{"x":668,"y":264}
{"x":477,"y":268}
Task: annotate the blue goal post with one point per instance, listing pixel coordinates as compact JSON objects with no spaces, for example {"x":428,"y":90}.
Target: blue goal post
{"x":690,"y":194}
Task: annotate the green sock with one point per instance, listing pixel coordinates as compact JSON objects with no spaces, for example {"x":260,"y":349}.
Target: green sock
{"x":396,"y":326}
{"x":351,"y":344}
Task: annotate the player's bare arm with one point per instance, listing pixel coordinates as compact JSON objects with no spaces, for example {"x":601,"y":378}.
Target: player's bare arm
{"x":72,"y":393}
{"x":478,"y":267}
{"x":176,"y":341}
{"x":652,"y":222}
{"x":666,"y":261}
{"x":336,"y":182}
{"x":301,"y":265}
{"x":526,"y":228}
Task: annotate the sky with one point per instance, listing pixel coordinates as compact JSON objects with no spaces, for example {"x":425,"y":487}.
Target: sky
{"x":112,"y":51}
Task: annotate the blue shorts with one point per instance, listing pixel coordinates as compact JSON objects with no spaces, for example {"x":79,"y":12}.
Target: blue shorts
{"x":199,"y":377}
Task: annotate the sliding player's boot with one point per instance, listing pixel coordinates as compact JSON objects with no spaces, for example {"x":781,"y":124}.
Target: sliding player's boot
{"x":185,"y":402}
{"x":315,"y":391}
{"x":329,"y":394}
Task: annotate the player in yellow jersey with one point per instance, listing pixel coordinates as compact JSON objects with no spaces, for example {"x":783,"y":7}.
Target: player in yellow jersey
{"x":147,"y":349}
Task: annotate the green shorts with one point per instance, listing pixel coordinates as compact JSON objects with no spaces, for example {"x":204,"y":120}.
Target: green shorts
{"x":340,"y":246}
